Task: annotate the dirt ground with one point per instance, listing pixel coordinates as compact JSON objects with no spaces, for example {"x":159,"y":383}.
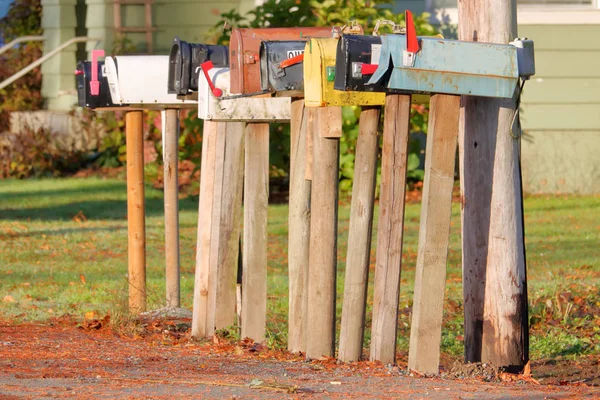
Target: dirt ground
{"x":63,"y":359}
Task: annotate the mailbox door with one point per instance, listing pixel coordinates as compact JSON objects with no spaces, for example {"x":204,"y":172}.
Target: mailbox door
{"x":287,"y":80}
{"x":184,"y":60}
{"x":319,"y":70}
{"x":83,"y":77}
{"x":244,"y":48}
{"x":353,"y":50}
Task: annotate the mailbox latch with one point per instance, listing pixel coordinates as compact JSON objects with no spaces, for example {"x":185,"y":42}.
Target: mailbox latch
{"x":250,"y":58}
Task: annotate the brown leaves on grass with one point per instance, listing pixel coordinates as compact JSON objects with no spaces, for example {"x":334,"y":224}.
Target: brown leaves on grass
{"x":94,"y":324}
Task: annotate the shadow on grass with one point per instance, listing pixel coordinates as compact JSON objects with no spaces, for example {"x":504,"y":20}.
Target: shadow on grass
{"x":91,"y":209}
{"x":66,"y":231}
{"x":85,"y":188}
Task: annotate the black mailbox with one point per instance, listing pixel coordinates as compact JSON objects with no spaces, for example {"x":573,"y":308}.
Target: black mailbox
{"x":356,"y":60}
{"x":185,"y":60}
{"x":281,"y":68}
{"x":84,"y":80}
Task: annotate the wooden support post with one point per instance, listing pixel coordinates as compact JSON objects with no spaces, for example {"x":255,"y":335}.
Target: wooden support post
{"x":218,"y":227}
{"x":494,"y":276}
{"x":320,"y":310}
{"x":256,"y":202}
{"x":434,"y":234}
{"x":202,"y":316}
{"x":227,"y":211}
{"x":170,"y":160}
{"x":298,"y":226}
{"x":359,"y":236}
{"x":136,"y":211}
{"x":394,"y":158}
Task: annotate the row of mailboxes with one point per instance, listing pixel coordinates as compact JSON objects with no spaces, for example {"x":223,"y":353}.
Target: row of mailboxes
{"x":327,"y":69}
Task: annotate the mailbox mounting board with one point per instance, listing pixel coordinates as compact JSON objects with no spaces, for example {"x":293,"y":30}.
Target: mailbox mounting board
{"x":141,"y":81}
{"x":319,"y":70}
{"x":249,"y":109}
{"x":450,"y":66}
{"x":244,"y":49}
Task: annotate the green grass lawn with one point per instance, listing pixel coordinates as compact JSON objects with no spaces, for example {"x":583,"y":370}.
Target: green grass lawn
{"x":63,"y":250}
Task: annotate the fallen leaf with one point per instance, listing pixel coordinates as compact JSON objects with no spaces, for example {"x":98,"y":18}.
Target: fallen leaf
{"x":90,"y":315}
{"x":82,"y":278}
{"x":9,"y":299}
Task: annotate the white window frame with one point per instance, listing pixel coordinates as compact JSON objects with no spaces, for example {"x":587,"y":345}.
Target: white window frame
{"x":534,"y":14}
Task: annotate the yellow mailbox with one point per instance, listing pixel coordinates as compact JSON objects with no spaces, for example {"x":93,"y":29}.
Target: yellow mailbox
{"x":319,"y":74}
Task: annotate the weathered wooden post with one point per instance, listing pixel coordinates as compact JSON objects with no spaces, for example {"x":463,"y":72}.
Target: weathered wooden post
{"x":170,"y":124}
{"x":321,"y":70}
{"x":448,"y":68}
{"x":248,"y":63}
{"x":136,"y":212}
{"x":298,"y":224}
{"x":496,"y":329}
{"x":218,"y":256}
{"x":320,"y":310}
{"x":434,"y":234}
{"x":394,"y":158}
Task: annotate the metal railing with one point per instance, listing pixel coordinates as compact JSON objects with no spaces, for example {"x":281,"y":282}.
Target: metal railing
{"x":44,"y":58}
{"x":21,"y":39}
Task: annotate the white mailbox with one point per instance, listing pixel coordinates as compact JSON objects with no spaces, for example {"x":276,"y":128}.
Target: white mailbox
{"x":141,"y":82}
{"x":229,"y":107}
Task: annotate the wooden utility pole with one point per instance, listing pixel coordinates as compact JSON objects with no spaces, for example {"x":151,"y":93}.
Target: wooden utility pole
{"x":359,"y":236}
{"x":394,"y":158}
{"x":320,"y":310}
{"x":256,"y":204}
{"x":494,"y":277}
{"x":171,"y":196}
{"x":298,"y":225}
{"x":434,"y":235}
{"x":136,"y":212}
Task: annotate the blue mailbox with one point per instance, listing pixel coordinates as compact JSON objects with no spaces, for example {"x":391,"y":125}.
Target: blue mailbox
{"x":435,"y":65}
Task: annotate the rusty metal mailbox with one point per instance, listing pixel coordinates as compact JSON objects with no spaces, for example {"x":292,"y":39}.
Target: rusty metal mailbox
{"x":281,"y":67}
{"x":184,"y":64}
{"x":92,"y":84}
{"x":244,"y":50}
{"x":320,"y":73}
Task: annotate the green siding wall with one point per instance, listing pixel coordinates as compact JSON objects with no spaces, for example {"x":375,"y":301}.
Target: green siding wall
{"x":561,"y":110}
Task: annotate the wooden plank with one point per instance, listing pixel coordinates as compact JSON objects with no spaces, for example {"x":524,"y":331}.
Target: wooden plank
{"x":552,"y":117}
{"x":226,"y":231}
{"x":201,"y":327}
{"x":311,"y":115}
{"x":359,"y":236}
{"x":334,"y":116}
{"x":148,"y":26}
{"x":320,"y":309}
{"x":434,"y":235}
{"x":565,"y":91}
{"x":394,"y":159}
{"x":559,"y":64}
{"x":136,"y":212}
{"x":256,"y":202}
{"x":171,"y":196}
{"x":299,"y":226}
{"x":562,"y":37}
{"x":494,"y":279}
